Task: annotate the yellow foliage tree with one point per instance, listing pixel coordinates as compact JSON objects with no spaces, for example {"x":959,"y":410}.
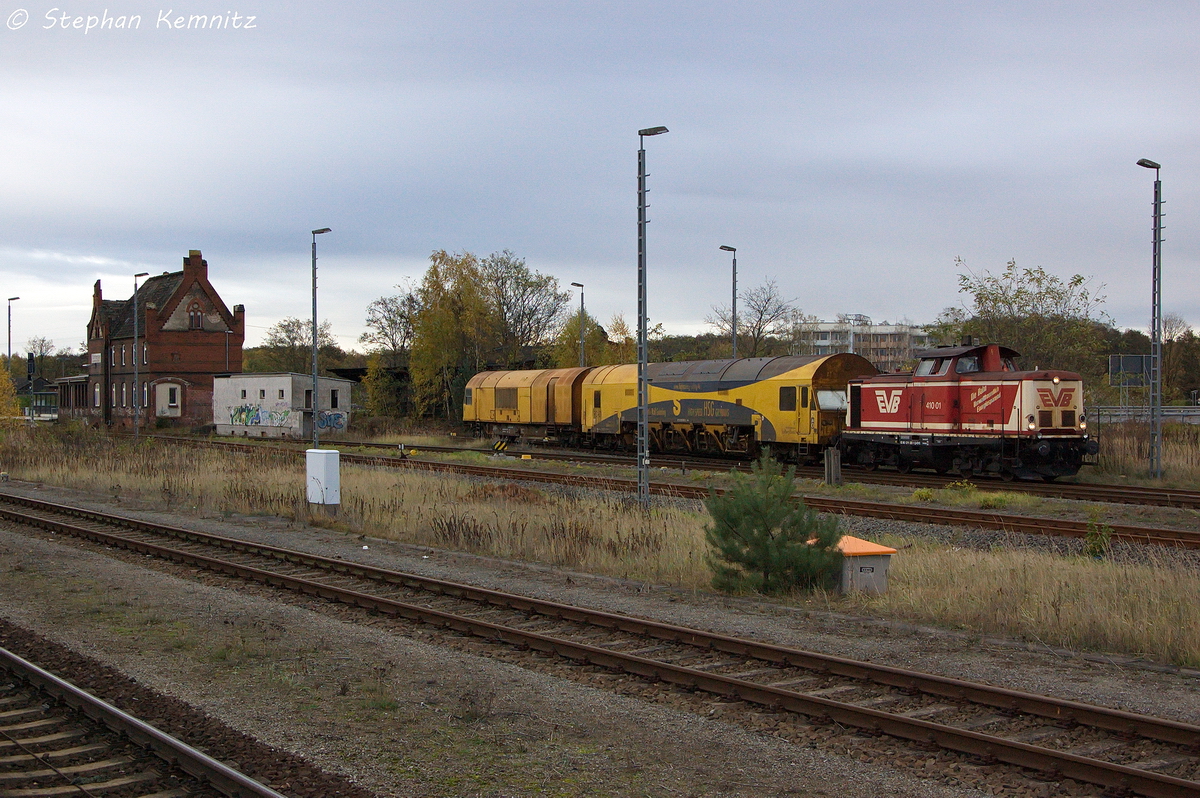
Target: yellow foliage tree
{"x":451,"y":333}
{"x":10,"y":411}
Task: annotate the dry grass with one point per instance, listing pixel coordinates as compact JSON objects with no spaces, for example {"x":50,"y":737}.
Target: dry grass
{"x":1124,"y":451}
{"x":1072,"y":602}
{"x":1064,"y":601}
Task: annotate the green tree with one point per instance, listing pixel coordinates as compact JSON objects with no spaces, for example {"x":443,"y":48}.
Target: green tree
{"x":1053,"y":323}
{"x":760,"y":540}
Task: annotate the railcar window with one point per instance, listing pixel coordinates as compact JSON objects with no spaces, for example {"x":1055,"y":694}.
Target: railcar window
{"x":596,"y":399}
{"x":467,"y":396}
{"x":506,"y":398}
{"x":967,"y":365}
{"x":831,"y":400}
{"x":804,"y":396}
{"x":787,"y":398}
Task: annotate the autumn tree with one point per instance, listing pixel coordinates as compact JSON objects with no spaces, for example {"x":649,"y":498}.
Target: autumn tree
{"x":1053,"y":323}
{"x":763,"y":313}
{"x":453,"y":331}
{"x":564,"y":351}
{"x":10,"y":411}
{"x":390,"y":326}
{"x":382,"y":388}
{"x":528,"y":306}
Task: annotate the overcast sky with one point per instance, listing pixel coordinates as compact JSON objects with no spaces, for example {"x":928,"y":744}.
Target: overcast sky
{"x":849,"y":150}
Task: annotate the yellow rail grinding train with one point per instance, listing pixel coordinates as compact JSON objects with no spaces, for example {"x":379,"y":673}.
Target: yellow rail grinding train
{"x":795,"y":404}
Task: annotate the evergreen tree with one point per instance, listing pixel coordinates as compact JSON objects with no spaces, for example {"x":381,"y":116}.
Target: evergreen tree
{"x":760,"y":540}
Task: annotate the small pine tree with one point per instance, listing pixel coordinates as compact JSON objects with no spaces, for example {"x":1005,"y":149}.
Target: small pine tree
{"x":761,"y":540}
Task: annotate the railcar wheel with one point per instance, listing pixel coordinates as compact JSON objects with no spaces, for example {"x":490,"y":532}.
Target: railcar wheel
{"x":904,"y":466}
{"x":870,"y":465}
{"x":1007,"y":475}
{"x":1049,"y":477}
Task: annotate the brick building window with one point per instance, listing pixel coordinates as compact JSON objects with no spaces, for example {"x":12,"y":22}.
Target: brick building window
{"x":114,"y":393}
{"x":96,"y":394}
{"x":124,"y":388}
{"x":333,"y":399}
{"x":122,"y":354}
{"x":195,"y":317}
{"x":173,"y":396}
{"x":145,"y":351}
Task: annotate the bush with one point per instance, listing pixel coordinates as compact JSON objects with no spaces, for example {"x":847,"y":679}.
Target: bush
{"x":761,"y":540}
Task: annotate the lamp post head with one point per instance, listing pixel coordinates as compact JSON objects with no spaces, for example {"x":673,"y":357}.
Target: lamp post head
{"x":13,"y":298}
{"x":577,"y":285}
{"x":1149,"y":164}
{"x":652,"y":131}
{"x":322,"y":230}
{"x":143,"y":274}
{"x":728,"y":249}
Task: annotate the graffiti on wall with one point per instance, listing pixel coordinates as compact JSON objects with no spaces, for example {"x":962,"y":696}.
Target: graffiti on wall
{"x":257,"y":415}
{"x":331,"y":419}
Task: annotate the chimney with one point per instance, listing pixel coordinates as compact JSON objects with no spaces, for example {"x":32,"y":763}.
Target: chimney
{"x":195,"y":266}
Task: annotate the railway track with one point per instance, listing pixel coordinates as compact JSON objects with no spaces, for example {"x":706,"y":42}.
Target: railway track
{"x":1024,"y":524}
{"x":1116,"y":494}
{"x":1062,"y":739}
{"x":57,"y":740}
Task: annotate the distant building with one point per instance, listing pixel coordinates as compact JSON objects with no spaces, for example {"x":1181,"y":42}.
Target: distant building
{"x":185,"y":335}
{"x":279,"y":405}
{"x":889,"y":347}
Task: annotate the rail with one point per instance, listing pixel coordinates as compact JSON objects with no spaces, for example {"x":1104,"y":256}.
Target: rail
{"x":895,"y":701}
{"x":195,"y":763}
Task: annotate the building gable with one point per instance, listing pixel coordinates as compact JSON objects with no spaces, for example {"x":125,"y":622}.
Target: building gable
{"x":196,"y":311}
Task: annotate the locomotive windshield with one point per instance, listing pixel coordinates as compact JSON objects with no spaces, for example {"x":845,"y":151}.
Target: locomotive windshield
{"x":933,"y":367}
{"x":831,"y":400}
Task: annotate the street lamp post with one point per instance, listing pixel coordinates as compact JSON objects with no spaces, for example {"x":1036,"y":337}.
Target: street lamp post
{"x":1156,"y":329}
{"x":643,"y":413}
{"x":733,"y":311}
{"x":315,"y":401}
{"x":137,"y":400}
{"x":8,"y":365}
{"x":582,"y":359}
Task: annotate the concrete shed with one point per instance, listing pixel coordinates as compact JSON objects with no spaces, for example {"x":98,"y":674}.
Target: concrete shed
{"x":279,"y":405}
{"x":864,"y":565}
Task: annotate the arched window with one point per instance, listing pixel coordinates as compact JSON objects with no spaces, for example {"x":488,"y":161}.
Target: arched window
{"x":195,"y":317}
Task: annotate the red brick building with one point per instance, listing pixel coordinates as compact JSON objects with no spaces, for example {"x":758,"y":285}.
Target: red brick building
{"x":185,"y":335}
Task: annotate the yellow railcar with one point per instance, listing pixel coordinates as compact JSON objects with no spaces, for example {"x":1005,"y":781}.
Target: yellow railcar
{"x":794,"y":404}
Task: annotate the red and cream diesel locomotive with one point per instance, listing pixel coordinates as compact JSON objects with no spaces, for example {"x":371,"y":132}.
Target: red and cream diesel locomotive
{"x":968,"y":409}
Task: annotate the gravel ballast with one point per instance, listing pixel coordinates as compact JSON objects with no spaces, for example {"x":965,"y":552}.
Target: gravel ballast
{"x":405,"y":717}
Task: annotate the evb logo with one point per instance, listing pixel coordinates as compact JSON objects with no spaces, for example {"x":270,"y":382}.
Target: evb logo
{"x":1050,"y":399}
{"x":888,"y":401}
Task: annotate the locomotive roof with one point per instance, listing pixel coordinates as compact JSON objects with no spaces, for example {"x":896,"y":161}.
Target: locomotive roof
{"x":955,"y":351}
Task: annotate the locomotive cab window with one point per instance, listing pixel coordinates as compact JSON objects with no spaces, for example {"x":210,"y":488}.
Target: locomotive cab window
{"x":967,"y":365}
{"x":596,"y":399}
{"x":804,"y":396}
{"x":467,"y":396}
{"x":787,"y":398}
{"x":927,"y":367}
